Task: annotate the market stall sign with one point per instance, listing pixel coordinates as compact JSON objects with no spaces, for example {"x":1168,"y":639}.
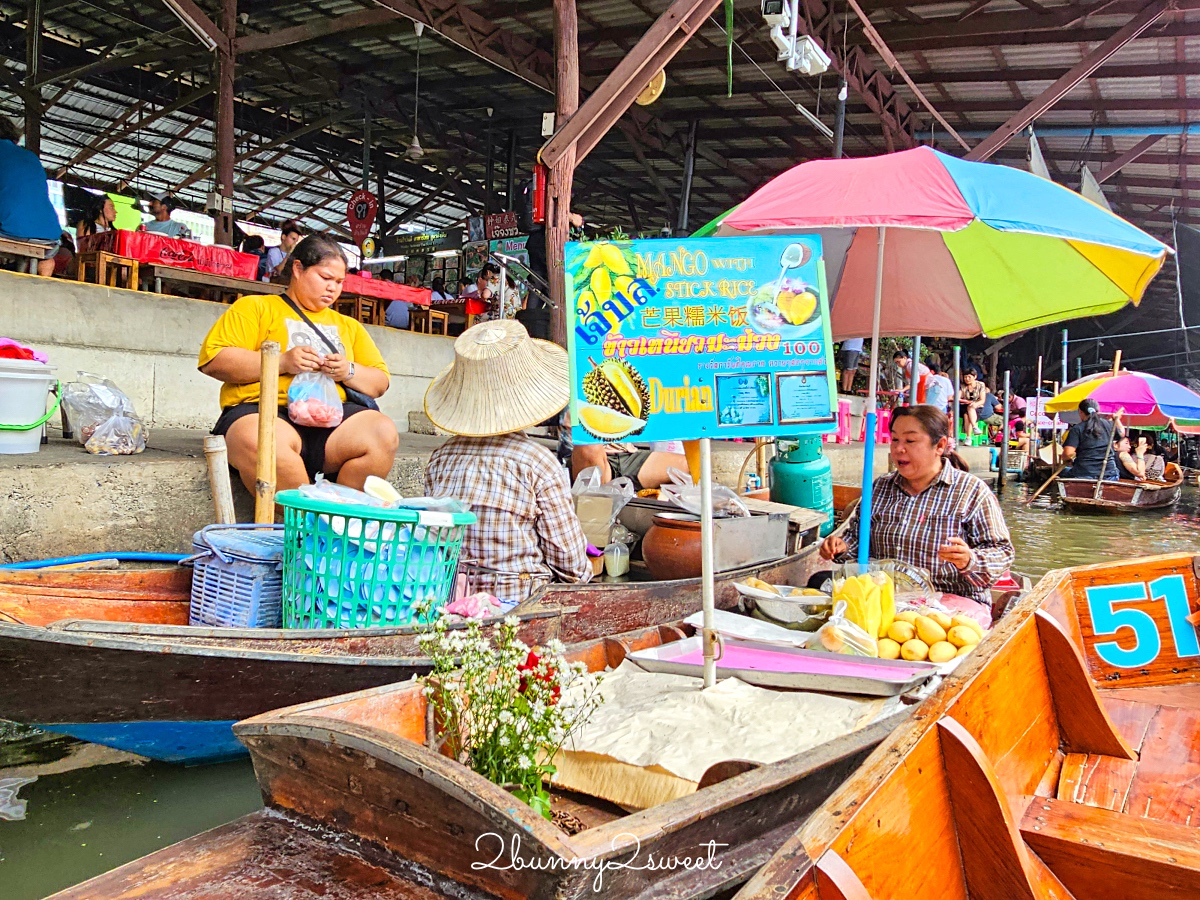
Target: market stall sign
{"x":502,"y":225}
{"x":422,"y":243}
{"x":360,"y":213}
{"x":684,"y":339}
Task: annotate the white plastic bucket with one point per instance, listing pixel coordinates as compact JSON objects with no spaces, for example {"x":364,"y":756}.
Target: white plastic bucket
{"x":24,"y":385}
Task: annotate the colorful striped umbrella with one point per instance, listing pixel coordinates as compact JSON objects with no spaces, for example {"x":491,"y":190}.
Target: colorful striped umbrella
{"x":972,"y":248}
{"x":1147,"y":399}
{"x":919,"y":242}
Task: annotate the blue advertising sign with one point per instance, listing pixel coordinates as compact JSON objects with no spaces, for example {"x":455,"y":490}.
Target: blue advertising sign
{"x":694,"y":338}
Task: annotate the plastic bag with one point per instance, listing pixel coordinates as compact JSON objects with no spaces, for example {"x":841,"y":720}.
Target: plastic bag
{"x":103,"y":417}
{"x":840,"y":635}
{"x":598,"y":505}
{"x":313,"y":399}
{"x":332,"y":492}
{"x":724,"y":501}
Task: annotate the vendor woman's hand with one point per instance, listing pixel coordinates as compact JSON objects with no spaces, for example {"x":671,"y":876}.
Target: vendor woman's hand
{"x":832,"y":546}
{"x":336,"y":367}
{"x":299,"y":359}
{"x":957,"y":552}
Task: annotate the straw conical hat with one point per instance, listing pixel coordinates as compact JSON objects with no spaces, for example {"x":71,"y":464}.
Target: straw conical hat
{"x":501,"y":381}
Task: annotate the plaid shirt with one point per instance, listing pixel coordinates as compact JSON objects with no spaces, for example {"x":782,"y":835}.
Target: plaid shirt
{"x":911,"y":529}
{"x":522,"y":499}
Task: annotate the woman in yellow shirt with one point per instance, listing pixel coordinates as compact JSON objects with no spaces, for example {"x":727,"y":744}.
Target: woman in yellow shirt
{"x":365,"y":442}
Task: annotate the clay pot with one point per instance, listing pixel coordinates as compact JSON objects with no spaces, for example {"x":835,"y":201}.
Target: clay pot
{"x":671,"y":548}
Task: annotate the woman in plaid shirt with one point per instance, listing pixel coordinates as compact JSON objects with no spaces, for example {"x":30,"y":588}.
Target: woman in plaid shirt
{"x":932,"y":514}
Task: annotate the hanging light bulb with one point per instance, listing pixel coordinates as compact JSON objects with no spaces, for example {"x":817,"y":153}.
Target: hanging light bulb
{"x":414,"y":151}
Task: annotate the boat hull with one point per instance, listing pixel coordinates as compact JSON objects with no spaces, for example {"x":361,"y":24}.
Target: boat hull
{"x":127,"y":684}
{"x":1116,"y":496}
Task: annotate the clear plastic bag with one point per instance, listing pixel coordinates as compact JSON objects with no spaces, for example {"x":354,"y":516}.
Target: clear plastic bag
{"x":102,"y":416}
{"x":598,"y":505}
{"x":682,"y":493}
{"x":313,"y":400}
{"x":840,"y":635}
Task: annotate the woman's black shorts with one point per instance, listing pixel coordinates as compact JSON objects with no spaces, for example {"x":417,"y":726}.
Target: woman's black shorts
{"x":312,"y":439}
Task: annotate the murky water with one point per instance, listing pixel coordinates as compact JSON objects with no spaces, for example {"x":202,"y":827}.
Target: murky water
{"x":87,"y":820}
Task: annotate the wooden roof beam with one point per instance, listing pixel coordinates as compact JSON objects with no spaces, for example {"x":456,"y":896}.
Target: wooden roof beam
{"x":1135,"y":152}
{"x":198,"y":22}
{"x":1077,"y":73}
{"x":316,"y":29}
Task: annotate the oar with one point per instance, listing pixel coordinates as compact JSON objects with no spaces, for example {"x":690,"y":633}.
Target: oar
{"x":1038,"y":493}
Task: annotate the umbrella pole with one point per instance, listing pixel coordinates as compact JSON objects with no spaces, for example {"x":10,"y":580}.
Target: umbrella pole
{"x":1035,"y":434}
{"x":1002,"y":476}
{"x":707,"y":587}
{"x":957,"y":391}
{"x":868,"y":482}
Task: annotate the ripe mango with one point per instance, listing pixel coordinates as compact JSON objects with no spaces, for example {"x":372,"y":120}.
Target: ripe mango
{"x":962,"y":636}
{"x":941,"y":618}
{"x":902,"y":631}
{"x":888,"y":649}
{"x":759,"y":584}
{"x":915,"y":650}
{"x":942,"y":651}
{"x":963,"y":651}
{"x":968,"y":622}
{"x":909,"y":615}
{"x":887,"y":601}
{"x":930,"y":631}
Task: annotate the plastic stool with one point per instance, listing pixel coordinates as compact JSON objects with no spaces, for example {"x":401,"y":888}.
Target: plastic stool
{"x":883,"y":427}
{"x":843,"y":420}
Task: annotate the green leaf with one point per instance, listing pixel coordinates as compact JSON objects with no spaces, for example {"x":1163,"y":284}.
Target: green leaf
{"x":729,"y":47}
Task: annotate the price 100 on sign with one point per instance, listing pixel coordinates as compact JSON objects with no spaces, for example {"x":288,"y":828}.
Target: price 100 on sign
{"x":1110,"y":616}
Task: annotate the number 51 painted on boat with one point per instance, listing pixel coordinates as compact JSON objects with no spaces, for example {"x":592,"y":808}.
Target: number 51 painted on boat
{"x":1108,"y":619}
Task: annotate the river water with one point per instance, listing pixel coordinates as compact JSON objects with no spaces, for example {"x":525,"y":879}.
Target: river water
{"x":83,"y":818}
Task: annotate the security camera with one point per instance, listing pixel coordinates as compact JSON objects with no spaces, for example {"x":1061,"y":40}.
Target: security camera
{"x":775,"y":12}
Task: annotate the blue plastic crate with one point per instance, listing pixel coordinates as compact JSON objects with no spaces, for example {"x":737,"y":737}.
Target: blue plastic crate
{"x":238,"y":577}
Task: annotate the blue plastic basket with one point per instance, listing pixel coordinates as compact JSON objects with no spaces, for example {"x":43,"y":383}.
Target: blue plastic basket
{"x":349,"y":566}
{"x":238,"y":577}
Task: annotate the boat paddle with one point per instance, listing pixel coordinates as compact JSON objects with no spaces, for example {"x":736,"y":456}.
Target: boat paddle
{"x":1045,"y":484}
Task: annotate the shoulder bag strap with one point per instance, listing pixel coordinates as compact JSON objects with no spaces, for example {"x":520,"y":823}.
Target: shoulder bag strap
{"x":309,"y":322}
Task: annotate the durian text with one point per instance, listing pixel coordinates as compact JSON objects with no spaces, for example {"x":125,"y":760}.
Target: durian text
{"x":685,"y":399}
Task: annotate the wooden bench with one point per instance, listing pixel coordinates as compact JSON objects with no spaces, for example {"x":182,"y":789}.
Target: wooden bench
{"x":368,"y":310}
{"x":30,"y":251}
{"x":428,"y":321}
{"x":224,"y":288}
{"x":102,"y":267}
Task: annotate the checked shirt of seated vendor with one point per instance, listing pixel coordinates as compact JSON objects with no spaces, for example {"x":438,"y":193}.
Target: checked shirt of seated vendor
{"x":525,"y":517}
{"x":257,"y":318}
{"x":912,"y":529}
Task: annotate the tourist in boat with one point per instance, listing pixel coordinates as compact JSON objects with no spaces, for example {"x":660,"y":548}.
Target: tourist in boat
{"x":501,"y":382}
{"x":1131,"y":465}
{"x":1087,"y":443}
{"x":930,"y":513}
{"x":365,"y":441}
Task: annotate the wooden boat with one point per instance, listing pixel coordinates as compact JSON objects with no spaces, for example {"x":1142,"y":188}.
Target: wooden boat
{"x":359,"y":806}
{"x":1121,"y":496}
{"x":1061,"y":763}
{"x":108,"y":656}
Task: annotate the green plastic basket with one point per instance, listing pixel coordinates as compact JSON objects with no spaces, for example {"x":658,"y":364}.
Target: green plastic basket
{"x":350,"y":566}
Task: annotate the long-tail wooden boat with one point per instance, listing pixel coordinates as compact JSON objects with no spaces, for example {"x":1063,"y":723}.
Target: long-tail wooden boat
{"x":358,"y":805}
{"x":1064,"y":762}
{"x":108,"y":656}
{"x":1121,"y":496}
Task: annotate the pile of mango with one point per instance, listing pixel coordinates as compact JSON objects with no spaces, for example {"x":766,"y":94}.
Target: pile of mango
{"x":870,"y":601}
{"x":933,"y":636}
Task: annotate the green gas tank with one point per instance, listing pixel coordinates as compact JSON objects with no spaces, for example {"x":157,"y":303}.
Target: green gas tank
{"x":802,"y":476}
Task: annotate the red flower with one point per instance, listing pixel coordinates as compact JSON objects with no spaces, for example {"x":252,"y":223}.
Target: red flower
{"x":532,"y":661}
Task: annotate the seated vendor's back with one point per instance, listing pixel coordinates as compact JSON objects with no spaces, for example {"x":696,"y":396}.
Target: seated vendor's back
{"x":526,"y":521}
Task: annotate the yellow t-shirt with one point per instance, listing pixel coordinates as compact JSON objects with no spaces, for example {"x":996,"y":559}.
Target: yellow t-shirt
{"x":265,"y":317}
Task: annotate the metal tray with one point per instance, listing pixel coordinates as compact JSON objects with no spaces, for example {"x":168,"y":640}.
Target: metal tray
{"x":832,"y":673}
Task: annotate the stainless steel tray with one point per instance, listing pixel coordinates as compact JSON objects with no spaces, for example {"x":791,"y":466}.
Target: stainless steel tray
{"x":832,"y":673}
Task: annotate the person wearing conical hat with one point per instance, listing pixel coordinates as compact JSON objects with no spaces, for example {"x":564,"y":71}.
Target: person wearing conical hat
{"x":501,"y":382}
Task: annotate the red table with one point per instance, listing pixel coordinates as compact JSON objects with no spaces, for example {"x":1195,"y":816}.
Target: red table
{"x":158,"y":249}
{"x":386,"y":290}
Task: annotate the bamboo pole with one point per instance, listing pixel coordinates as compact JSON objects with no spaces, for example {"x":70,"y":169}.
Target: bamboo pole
{"x":268,"y":400}
{"x":218,"y":479}
{"x":1111,"y":437}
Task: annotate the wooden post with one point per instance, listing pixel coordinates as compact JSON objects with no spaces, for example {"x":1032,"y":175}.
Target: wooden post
{"x":218,"y":479}
{"x":510,"y":174}
{"x":1054,"y":439}
{"x":562,"y":173}
{"x":33,"y":65}
{"x":224,"y":133}
{"x":268,"y":402}
{"x":489,"y":171}
{"x":1002,"y":474}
